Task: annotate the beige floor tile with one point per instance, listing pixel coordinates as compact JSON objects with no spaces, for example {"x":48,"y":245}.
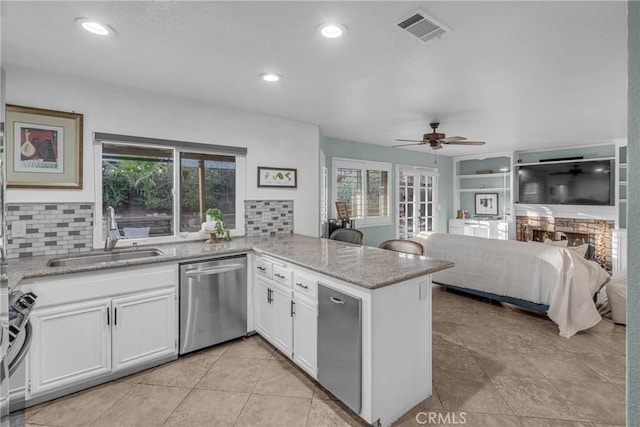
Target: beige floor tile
{"x":208,"y":408}
{"x":253,"y":347}
{"x":454,"y":358}
{"x":281,"y":378}
{"x":542,"y":422}
{"x":320,"y":392}
{"x":563,"y":366}
{"x":265,"y":410}
{"x":233,"y":374}
{"x":207,"y":357}
{"x":145,"y":405}
{"x":600,"y":402}
{"x":29,"y":412}
{"x":509,"y":364}
{"x":473,"y":393}
{"x":331,"y":413}
{"x":536,"y":397}
{"x":613,"y":367}
{"x":82,"y":408}
{"x":444,"y":333}
{"x":587,"y":342}
{"x":184,"y":372}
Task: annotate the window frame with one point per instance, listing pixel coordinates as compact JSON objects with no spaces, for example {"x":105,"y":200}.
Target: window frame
{"x":98,"y":238}
{"x":419,"y":170}
{"x":364,"y":166}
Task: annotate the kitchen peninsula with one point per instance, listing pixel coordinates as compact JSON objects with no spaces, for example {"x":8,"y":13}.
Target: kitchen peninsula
{"x":393,"y":290}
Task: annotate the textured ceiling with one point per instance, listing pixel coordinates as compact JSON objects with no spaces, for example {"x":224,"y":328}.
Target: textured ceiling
{"x":519,"y":75}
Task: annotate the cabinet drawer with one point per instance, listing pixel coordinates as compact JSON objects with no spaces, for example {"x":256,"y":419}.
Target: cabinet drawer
{"x":282,"y":275}
{"x":264,"y":268}
{"x":305,"y":285}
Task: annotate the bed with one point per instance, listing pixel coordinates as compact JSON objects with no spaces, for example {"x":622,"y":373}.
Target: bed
{"x":551,"y":279}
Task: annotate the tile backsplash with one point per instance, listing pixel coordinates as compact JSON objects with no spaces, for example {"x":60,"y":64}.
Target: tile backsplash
{"x":52,"y":228}
{"x":277,"y":218}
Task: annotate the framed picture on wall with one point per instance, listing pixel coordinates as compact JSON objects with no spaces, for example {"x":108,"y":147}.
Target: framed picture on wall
{"x":486,"y":203}
{"x":44,"y":148}
{"x":277,"y":177}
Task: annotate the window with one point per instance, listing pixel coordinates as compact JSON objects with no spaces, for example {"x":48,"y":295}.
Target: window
{"x":206,"y":180}
{"x":160,"y":191}
{"x":364,"y":187}
{"x":417,"y":201}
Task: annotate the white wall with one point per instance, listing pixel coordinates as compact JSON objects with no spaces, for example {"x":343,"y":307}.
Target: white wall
{"x":271,"y":141}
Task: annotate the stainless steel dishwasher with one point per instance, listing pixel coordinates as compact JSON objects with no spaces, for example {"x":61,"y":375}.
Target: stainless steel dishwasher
{"x":340,"y":345}
{"x":213,"y":302}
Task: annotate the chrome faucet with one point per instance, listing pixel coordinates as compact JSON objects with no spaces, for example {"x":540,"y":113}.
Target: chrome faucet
{"x":113,"y":235}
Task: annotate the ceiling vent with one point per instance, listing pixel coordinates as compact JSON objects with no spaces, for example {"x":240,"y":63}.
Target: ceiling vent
{"x":423,"y":27}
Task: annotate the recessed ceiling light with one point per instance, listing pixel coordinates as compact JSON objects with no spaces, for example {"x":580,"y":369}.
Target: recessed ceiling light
{"x":332,"y":31}
{"x":94,"y":27}
{"x":271,"y":77}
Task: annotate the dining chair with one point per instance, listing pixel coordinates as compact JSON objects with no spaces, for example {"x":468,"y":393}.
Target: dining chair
{"x":407,"y":246}
{"x":350,"y":235}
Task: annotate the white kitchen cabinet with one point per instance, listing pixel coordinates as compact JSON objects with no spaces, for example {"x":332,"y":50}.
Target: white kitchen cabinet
{"x":93,"y":327}
{"x":305,"y":333}
{"x":282,"y":332}
{"x":71,"y":344}
{"x":143,"y":328}
{"x":263,"y":309}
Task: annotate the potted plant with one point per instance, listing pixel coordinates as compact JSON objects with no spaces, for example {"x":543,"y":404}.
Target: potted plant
{"x":214,"y":215}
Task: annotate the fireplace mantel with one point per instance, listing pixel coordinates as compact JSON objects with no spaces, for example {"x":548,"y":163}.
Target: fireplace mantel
{"x":608,"y":213}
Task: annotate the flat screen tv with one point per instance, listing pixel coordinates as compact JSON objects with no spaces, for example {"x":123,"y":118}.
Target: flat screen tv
{"x":570,"y":183}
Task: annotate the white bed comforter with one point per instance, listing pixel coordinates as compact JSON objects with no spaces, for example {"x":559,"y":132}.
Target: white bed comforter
{"x":542,"y":274}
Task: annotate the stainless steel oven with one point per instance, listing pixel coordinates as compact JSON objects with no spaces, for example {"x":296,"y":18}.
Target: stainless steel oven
{"x":213,"y":302}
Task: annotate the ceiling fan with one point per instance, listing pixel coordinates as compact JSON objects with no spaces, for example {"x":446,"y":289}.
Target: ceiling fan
{"x":436,"y":139}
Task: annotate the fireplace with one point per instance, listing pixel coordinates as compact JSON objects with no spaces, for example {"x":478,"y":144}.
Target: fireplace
{"x":597,"y":233}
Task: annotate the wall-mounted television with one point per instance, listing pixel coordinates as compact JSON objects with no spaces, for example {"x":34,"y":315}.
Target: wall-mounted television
{"x":568,"y":183}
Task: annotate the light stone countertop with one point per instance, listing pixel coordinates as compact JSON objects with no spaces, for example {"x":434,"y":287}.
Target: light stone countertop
{"x":363,"y":266}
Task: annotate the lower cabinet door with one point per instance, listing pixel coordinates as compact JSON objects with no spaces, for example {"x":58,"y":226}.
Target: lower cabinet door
{"x":282,"y":334}
{"x":263,"y":309}
{"x":305,"y":334}
{"x":144,"y":328}
{"x":71,"y":344}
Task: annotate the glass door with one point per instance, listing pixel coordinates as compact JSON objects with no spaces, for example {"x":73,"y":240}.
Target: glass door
{"x":416,"y":202}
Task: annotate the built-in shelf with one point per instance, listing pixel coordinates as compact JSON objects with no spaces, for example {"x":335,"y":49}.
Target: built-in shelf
{"x":485,"y":189}
{"x":622,"y":182}
{"x":485,"y":175}
{"x":564,"y":161}
{"x":622,"y":165}
{"x":622,"y":200}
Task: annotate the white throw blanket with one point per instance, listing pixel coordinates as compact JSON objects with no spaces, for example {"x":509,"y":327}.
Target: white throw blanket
{"x":534,"y":272}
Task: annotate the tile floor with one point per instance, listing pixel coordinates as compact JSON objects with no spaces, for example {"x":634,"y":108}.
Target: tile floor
{"x":493,"y":365}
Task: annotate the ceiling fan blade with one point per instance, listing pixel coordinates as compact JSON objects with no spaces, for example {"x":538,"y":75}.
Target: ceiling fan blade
{"x":463,"y":142}
{"x":409,"y":140}
{"x":453,"y":138}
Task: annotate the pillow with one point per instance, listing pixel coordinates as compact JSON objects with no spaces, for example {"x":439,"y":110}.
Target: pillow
{"x":580,"y":249}
{"x":561,"y":243}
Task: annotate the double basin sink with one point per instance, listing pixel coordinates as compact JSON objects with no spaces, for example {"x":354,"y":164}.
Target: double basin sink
{"x":103,"y":257}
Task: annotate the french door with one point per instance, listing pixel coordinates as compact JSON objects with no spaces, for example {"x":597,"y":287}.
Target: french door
{"x":417,"y":201}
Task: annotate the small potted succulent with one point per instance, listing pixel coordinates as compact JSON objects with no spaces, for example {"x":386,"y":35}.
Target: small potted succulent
{"x":221,"y":229}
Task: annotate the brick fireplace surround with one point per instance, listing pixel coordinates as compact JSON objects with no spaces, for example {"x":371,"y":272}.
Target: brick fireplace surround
{"x":534,"y":227}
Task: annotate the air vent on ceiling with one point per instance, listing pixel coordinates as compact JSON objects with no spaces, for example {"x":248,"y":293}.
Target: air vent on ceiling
{"x":423,"y":27}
